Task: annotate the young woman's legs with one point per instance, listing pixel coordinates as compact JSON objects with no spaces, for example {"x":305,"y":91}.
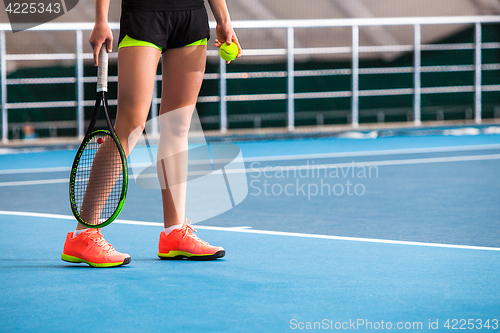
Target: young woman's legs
{"x":183,"y":70}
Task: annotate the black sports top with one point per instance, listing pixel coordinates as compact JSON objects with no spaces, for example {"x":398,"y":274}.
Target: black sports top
{"x":160,"y":5}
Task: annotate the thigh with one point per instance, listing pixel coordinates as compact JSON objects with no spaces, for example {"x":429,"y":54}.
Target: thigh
{"x":136,"y":73}
{"x":182,"y":70}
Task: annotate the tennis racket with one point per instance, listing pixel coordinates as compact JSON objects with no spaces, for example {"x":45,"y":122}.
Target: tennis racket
{"x":99,"y":176}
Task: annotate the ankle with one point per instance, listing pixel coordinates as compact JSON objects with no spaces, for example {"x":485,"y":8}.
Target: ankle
{"x":168,"y":230}
{"x":78,"y":232}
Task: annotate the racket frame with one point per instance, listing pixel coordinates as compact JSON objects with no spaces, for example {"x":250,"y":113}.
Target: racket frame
{"x":101,"y":99}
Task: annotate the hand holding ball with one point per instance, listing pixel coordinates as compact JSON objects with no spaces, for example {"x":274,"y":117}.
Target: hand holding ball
{"x":228,"y":52}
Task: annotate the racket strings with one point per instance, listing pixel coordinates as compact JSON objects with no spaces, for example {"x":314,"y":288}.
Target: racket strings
{"x":99,"y":180}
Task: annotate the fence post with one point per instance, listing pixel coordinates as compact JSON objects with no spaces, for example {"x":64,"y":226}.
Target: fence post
{"x":478,"y":68}
{"x":3,"y":78}
{"x":80,"y":114}
{"x":417,"y":86}
{"x":290,"y":78}
{"x":355,"y":76}
{"x":223,"y":92}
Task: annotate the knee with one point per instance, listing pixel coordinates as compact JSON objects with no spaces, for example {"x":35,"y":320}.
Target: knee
{"x":176,"y":122}
{"x":129,"y":128}
{"x":180,"y":129}
{"x":129,"y":135}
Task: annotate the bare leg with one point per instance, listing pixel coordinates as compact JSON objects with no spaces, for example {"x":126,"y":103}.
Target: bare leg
{"x":97,"y":190}
{"x":136,"y":72}
{"x":183,"y":70}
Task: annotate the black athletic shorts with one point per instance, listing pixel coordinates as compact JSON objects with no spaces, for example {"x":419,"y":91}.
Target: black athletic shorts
{"x":165,"y":29}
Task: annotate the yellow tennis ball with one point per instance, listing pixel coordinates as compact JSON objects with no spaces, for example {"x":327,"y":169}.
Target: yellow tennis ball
{"x":228,"y":52}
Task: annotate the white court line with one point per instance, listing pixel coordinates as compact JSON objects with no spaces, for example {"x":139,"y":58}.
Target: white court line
{"x":373,"y":153}
{"x":33,"y":170}
{"x":299,"y":157}
{"x":370,"y":163}
{"x":301,"y":167}
{"x":248,"y":230}
{"x":35,"y":182}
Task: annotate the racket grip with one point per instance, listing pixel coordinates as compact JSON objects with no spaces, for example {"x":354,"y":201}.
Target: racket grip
{"x":102,"y":70}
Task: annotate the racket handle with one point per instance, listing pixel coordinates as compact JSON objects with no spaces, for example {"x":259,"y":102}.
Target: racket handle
{"x":102,"y":70}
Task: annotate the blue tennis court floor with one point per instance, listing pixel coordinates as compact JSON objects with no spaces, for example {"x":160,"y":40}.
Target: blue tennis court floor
{"x":413,"y":247}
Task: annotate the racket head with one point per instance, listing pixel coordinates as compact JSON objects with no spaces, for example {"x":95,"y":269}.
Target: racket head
{"x":105,"y":197}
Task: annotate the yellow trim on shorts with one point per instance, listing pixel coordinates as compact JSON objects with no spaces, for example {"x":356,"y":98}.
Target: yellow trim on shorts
{"x":198,"y":42}
{"x":129,"y":41}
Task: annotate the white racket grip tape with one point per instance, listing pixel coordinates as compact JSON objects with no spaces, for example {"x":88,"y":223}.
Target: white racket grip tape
{"x":102,"y":70}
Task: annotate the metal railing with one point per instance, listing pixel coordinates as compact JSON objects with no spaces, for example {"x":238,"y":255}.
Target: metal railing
{"x":290,"y":52}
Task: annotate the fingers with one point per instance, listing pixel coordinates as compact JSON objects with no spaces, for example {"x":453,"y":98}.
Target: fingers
{"x":230,"y":36}
{"x":237,"y":42}
{"x":227,"y":36}
{"x":217,"y":43}
{"x":97,"y":46}
{"x":109,"y":44}
{"x":100,"y":34}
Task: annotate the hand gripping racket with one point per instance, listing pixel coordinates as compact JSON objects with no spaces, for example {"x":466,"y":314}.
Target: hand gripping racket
{"x":99,"y":177}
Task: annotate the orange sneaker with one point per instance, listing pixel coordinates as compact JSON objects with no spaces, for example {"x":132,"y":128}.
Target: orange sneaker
{"x":183,"y":243}
{"x":90,"y":247}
